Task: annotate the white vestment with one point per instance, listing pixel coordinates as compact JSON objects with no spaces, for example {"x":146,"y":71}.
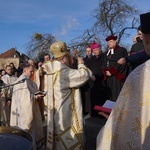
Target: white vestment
{"x":9,"y":80}
{"x":41,"y":81}
{"x":25,"y":113}
{"x":65,"y":124}
{"x":128,"y":126}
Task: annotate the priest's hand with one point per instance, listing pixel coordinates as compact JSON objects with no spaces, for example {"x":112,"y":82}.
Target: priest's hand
{"x":108,"y":73}
{"x":80,"y":60}
{"x":39,"y":96}
{"x":104,"y":114}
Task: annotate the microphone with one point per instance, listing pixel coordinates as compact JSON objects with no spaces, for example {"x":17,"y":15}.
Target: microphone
{"x":5,"y":86}
{"x":21,"y":81}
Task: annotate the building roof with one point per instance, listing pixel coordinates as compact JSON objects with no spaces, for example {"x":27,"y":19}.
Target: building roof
{"x":13,"y":53}
{"x":10,"y":53}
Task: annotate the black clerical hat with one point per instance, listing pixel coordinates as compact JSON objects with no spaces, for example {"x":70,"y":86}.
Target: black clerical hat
{"x":145,"y":23}
{"x":111,"y":37}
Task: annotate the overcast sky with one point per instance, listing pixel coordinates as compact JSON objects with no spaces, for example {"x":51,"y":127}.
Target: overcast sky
{"x":65,"y":19}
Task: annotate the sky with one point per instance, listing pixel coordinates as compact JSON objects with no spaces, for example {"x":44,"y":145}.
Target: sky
{"x":65,"y":19}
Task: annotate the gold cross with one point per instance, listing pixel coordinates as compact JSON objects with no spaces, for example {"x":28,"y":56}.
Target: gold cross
{"x":130,"y":147}
{"x":121,"y":116}
{"x":139,"y":127}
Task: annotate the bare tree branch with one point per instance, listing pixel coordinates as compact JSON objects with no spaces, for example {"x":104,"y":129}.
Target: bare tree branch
{"x":39,"y":44}
{"x":113,"y":17}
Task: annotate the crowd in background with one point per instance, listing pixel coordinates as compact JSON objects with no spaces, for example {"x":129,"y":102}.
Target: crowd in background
{"x":109,"y":68}
{"x":109,"y":72}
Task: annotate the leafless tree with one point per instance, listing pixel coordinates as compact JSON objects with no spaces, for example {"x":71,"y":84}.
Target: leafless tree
{"x":82,"y":42}
{"x":39,"y":44}
{"x":113,"y":17}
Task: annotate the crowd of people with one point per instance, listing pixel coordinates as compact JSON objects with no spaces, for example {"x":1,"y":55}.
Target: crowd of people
{"x":128,"y":126}
{"x":62,"y":89}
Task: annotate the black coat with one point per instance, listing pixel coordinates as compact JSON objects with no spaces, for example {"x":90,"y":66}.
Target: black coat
{"x":97,"y":96}
{"x":118,"y":72}
{"x":137,"y":58}
{"x":136,"y":48}
{"x":96,"y":65}
{"x":87,"y":60}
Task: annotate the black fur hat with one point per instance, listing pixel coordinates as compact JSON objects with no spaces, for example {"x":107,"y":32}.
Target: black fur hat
{"x":145,"y":23}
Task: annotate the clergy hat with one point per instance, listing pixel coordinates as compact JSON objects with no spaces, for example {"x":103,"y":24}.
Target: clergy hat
{"x":94,"y":45}
{"x":145,"y":23}
{"x":58,"y":49}
{"x":111,"y":37}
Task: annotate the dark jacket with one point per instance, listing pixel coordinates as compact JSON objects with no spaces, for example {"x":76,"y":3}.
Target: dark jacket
{"x":137,"y":47}
{"x":96,"y":65}
{"x":137,"y":58}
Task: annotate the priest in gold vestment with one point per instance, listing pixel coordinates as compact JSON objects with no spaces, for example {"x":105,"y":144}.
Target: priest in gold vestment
{"x":128,"y":126}
{"x":65,"y":124}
